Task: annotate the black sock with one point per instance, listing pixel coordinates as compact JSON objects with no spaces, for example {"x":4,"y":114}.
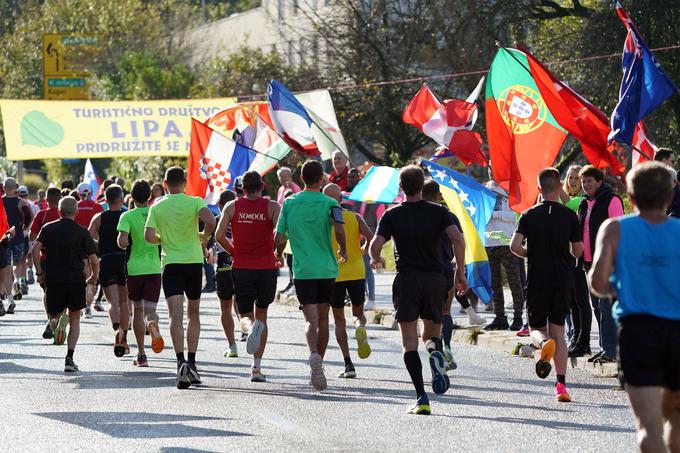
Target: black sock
{"x":447,"y":330}
{"x":433,"y":344}
{"x":69,"y":354}
{"x":562,"y":379}
{"x":348,"y":361}
{"x":116,"y":326}
{"x":125,"y":335}
{"x":192,"y":357}
{"x":180,"y":357}
{"x":415,"y":370}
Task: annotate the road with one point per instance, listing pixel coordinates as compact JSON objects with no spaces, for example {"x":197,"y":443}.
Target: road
{"x":496,"y":403}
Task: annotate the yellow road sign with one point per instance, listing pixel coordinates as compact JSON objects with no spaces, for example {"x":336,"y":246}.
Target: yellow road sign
{"x":65,"y":87}
{"x":66,"y":61}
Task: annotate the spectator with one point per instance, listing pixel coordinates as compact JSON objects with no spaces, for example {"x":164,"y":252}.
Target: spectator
{"x":285,"y":176}
{"x":665,"y":156}
{"x":340,"y":170}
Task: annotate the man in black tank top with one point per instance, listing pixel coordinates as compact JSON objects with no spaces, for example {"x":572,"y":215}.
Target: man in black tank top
{"x":104,"y":230}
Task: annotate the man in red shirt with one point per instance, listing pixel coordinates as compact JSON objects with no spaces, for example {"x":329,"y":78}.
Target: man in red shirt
{"x":340,"y":170}
{"x":87,"y":209}
{"x":252,"y":219}
{"x":43,"y":217}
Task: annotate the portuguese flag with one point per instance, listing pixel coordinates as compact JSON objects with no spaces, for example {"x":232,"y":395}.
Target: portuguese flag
{"x":523,"y":136}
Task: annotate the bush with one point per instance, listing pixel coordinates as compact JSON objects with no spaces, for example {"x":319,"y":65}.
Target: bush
{"x":34,"y":182}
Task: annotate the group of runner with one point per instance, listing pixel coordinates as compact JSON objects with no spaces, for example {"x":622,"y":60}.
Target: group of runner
{"x":133,"y":254}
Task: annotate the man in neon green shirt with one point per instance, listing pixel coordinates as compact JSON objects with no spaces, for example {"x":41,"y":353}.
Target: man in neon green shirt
{"x":308,"y":218}
{"x":173,"y":223}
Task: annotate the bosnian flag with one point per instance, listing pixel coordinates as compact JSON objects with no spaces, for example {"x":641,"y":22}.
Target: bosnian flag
{"x":214,"y":162}
{"x":90,"y":177}
{"x":449,"y":124}
{"x":641,"y":142}
{"x":290,"y":119}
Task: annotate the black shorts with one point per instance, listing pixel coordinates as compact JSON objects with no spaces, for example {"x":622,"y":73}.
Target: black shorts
{"x":224,"y":285}
{"x":254,"y":286}
{"x":60,"y":297}
{"x":547,"y":305}
{"x":112,"y":270}
{"x":316,"y":291}
{"x":356,"y":289}
{"x":419,"y":295}
{"x":183,"y":279}
{"x":144,"y":287}
{"x":43,"y":266}
{"x":4,"y":262}
{"x":649,"y":351}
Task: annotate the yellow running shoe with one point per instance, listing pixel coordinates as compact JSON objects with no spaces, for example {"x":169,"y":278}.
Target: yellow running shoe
{"x":363,"y":348}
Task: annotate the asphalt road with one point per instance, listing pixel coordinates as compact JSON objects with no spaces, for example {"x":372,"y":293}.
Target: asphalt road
{"x":496,"y":403}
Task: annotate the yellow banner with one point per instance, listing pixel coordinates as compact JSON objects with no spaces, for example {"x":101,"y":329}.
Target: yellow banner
{"x":94,"y":129}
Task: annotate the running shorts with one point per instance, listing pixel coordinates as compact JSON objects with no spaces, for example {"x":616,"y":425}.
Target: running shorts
{"x":144,"y":287}
{"x":419,"y":294}
{"x":43,"y":266}
{"x":316,"y":291}
{"x":183,"y":279}
{"x":112,"y":270}
{"x":60,"y":297}
{"x":547,"y":305}
{"x":356,"y":289}
{"x":14,"y":253}
{"x":254,"y":286}
{"x":224,"y":285}
{"x":3,"y":256}
{"x":649,"y":351}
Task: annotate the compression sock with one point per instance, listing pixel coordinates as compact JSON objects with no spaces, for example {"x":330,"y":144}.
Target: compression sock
{"x":180,"y":357}
{"x":69,"y":354}
{"x":116,"y":326}
{"x":415,"y":370}
{"x":562,"y":379}
{"x":192,"y":357}
{"x":433,"y":344}
{"x":447,"y":330}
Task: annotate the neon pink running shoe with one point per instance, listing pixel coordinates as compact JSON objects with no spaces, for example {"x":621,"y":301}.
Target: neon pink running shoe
{"x":561,"y":393}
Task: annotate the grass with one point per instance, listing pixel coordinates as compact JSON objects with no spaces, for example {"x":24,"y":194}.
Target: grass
{"x":472,"y":335}
{"x":378,"y":315}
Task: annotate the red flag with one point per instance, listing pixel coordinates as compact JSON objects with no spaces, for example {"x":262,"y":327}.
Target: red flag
{"x":578,"y":116}
{"x":4,"y":224}
{"x":641,"y":142}
{"x":197,"y":183}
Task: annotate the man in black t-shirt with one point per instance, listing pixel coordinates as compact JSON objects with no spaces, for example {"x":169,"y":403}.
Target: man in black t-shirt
{"x":553,"y":237}
{"x":419,"y":289}
{"x":66,"y":243}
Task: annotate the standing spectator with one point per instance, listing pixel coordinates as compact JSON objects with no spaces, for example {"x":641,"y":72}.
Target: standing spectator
{"x":41,"y":202}
{"x":340,"y":170}
{"x":285,"y":176}
{"x":572,"y":188}
{"x":665,"y":156}
{"x":600,"y":203}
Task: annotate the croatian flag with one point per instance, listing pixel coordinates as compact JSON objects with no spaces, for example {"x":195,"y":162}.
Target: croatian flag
{"x":290,"y":119}
{"x":380,"y":185}
{"x":214,"y":162}
{"x":90,"y":177}
{"x":644,"y":86}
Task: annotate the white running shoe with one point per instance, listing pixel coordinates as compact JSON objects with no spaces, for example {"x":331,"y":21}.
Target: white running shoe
{"x":253,"y":341}
{"x":318,"y":380}
{"x":473,"y":318}
{"x":369,"y":305}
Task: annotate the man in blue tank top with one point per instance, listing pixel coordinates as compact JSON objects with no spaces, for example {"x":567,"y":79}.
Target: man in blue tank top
{"x":637,"y":260}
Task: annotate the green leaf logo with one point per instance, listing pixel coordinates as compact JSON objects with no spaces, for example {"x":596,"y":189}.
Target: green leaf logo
{"x":38,"y":130}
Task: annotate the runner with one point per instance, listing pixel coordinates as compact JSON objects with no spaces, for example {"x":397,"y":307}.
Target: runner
{"x":42,"y":218}
{"x":552,"y":233}
{"x":173,"y":223}
{"x":308,"y":218}
{"x":252,"y":219}
{"x":104,"y":230}
{"x":19,"y":216}
{"x":350,"y":282}
{"x":87,"y":209}
{"x":27,"y":277}
{"x":143,"y":271}
{"x":419,"y":289}
{"x":66,"y":243}
{"x":642,"y":253}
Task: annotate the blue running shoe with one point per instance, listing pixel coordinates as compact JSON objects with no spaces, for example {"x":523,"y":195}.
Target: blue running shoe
{"x":422,"y":406}
{"x":440,"y":381}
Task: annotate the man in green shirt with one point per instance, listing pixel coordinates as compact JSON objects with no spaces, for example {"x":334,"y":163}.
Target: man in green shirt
{"x":173,"y":223}
{"x":307,"y":218}
{"x":143,"y":265}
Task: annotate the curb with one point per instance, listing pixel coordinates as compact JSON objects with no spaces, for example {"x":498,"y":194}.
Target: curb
{"x":496,"y":340}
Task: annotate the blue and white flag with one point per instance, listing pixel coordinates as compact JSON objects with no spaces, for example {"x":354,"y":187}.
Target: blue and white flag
{"x":380,"y":185}
{"x":90,"y":177}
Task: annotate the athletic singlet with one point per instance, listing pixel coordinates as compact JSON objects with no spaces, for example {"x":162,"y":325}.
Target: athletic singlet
{"x":108,"y":233}
{"x":353,"y":268}
{"x":647,"y":267}
{"x":253,"y":235}
{"x":14,"y":218}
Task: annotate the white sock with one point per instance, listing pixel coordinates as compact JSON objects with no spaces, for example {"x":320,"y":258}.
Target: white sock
{"x":256,"y":363}
{"x":470,"y":312}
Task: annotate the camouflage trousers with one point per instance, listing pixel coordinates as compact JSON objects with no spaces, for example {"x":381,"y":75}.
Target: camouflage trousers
{"x":501,"y":255}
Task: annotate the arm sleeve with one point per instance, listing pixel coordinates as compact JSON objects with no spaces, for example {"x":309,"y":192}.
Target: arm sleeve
{"x":124,"y":224}
{"x":282,"y":225}
{"x":615,"y":207}
{"x":385,"y":226}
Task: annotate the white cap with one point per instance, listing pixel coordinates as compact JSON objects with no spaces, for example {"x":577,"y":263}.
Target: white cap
{"x":22,"y":190}
{"x":83,"y":188}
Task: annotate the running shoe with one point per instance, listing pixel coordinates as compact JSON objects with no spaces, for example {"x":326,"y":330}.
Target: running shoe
{"x":98,"y":306}
{"x":194,"y":377}
{"x":543,"y":366}
{"x":157,"y":343}
{"x":473,"y":318}
{"x":422,"y":406}
{"x":244,"y":336}
{"x":23,"y":287}
{"x":11,"y":307}
{"x":70,"y":366}
{"x":232,"y":351}
{"x":318,"y":378}
{"x":47,"y":333}
{"x":369,"y":305}
{"x":448,"y":357}
{"x":440,"y":381}
{"x":595,"y":357}
{"x":349,"y":372}
{"x":499,"y":323}
{"x":253,"y":341}
{"x":16,"y":291}
{"x":118,"y":345}
{"x":524,"y":331}
{"x":257,"y":376}
{"x":183,"y":381}
{"x":363,"y":348}
{"x":60,"y":333}
{"x":31,"y":277}
{"x":561,"y":393}
{"x":88,"y":312}
{"x":2,"y":309}
{"x":140,"y":361}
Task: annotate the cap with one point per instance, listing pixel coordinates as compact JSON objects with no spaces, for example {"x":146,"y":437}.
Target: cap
{"x":84,"y":187}
{"x":22,"y":190}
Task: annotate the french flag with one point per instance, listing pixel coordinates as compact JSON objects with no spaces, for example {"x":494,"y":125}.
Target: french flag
{"x":290,"y":119}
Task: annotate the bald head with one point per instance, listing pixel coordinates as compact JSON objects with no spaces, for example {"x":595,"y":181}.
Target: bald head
{"x":333,"y":191}
{"x":10,"y":185}
{"x":68,"y":207}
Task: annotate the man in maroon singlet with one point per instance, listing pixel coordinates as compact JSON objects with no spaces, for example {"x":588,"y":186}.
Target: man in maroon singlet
{"x":252,"y":219}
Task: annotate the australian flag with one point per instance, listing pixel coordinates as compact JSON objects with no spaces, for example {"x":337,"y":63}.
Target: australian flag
{"x":644,"y":86}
